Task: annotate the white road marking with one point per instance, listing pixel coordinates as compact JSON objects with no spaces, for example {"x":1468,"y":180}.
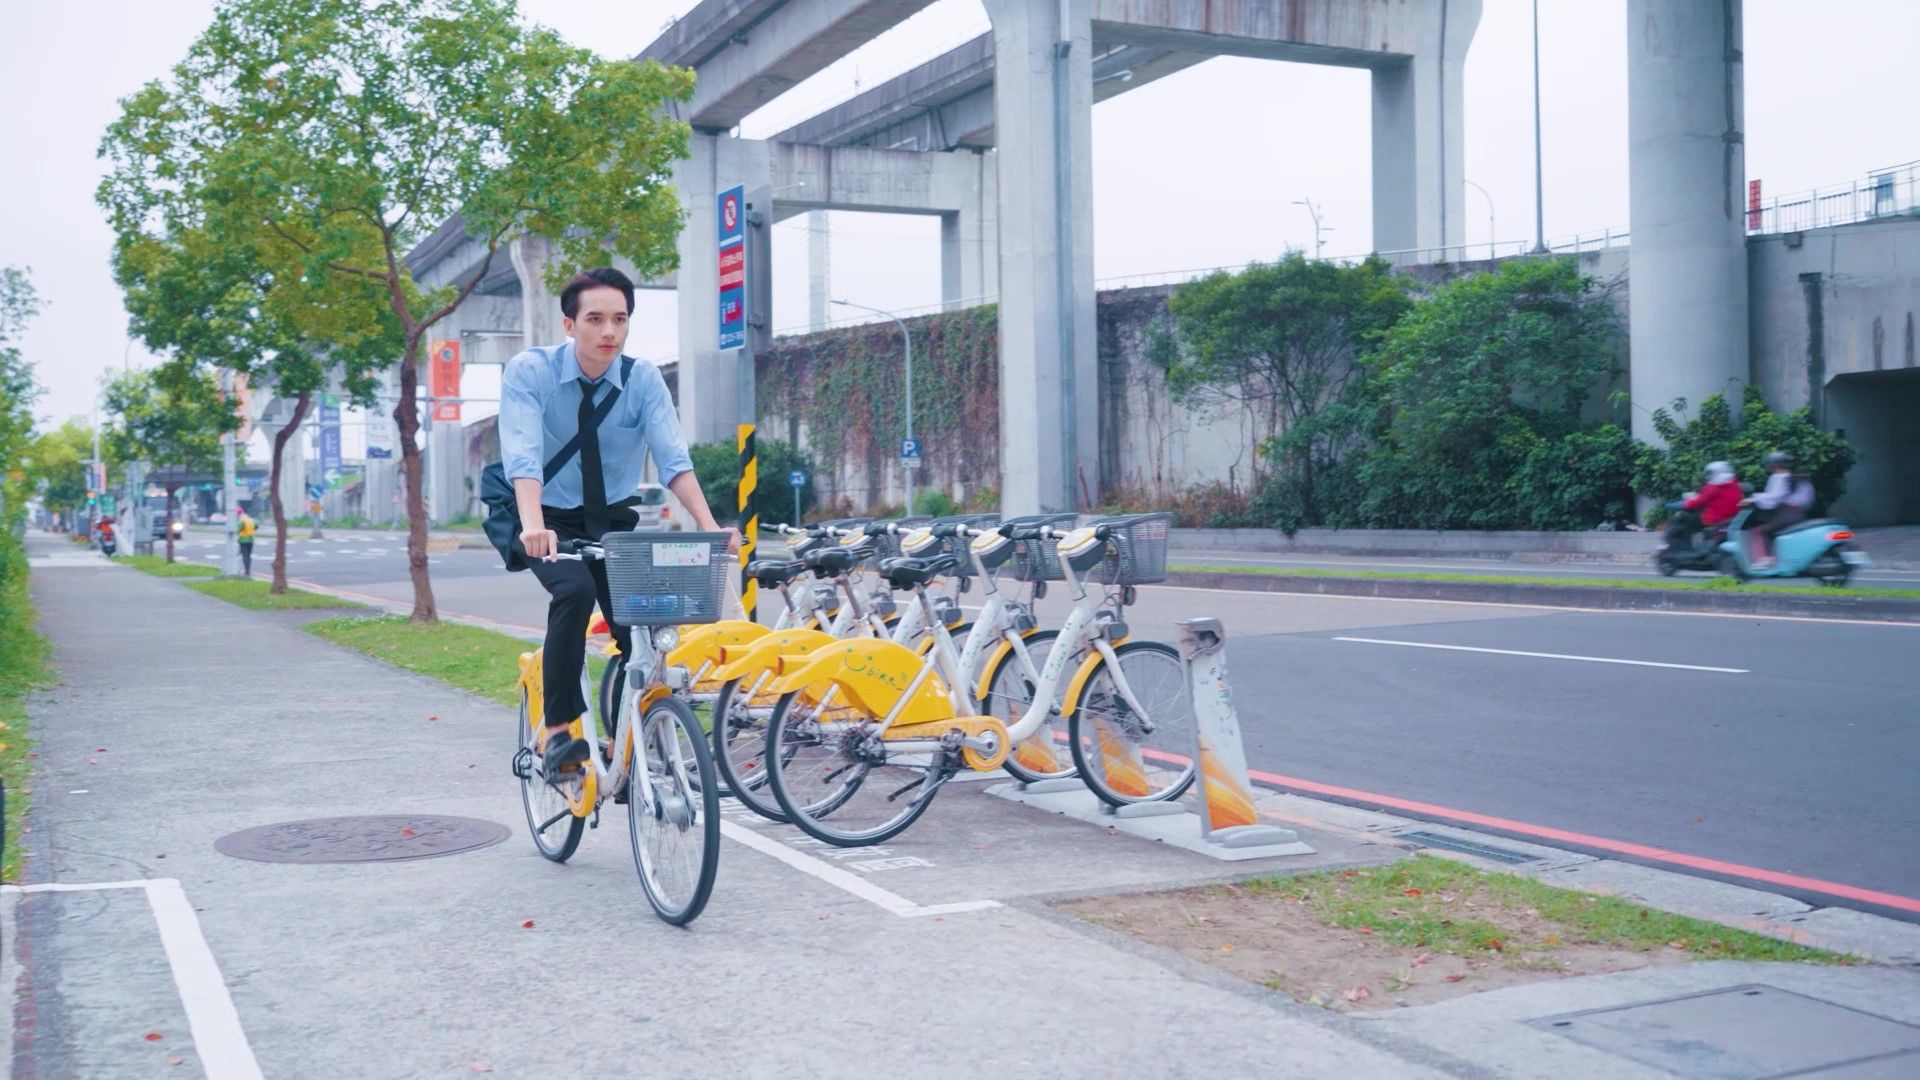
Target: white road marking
{"x":1546,"y":655}
{"x":218,"y":1038}
{"x":845,"y":880}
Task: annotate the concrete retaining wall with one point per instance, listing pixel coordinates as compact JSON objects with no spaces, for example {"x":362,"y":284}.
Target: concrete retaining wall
{"x":1554,"y":546}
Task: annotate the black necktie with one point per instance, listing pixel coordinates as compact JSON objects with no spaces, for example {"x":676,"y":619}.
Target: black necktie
{"x":593,"y":479}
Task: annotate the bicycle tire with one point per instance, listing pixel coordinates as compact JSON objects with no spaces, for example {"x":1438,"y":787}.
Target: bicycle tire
{"x":1097,"y":709}
{"x":534,"y":789}
{"x":682,"y":808}
{"x":748,"y":740}
{"x":610,"y":679}
{"x":1010,"y":705}
{"x":791,"y":777}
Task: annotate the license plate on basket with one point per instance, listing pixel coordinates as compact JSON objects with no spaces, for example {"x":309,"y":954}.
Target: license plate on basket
{"x":682,"y":554}
{"x":1854,"y":558}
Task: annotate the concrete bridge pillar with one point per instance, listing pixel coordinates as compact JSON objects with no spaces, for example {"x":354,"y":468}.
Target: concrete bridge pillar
{"x":1049,"y":425}
{"x":970,"y":242}
{"x":715,"y":386}
{"x":539,"y":305}
{"x":819,"y":271}
{"x":1687,"y":280}
{"x":1419,"y":154}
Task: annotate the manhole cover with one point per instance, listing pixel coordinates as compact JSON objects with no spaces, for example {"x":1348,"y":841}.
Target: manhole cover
{"x":377,"y":838}
{"x":1746,"y":1032}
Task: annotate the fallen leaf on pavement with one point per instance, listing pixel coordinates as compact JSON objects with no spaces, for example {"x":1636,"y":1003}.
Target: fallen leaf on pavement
{"x":479,"y":1067}
{"x":1364,"y":929}
{"x":1227,"y":947}
{"x":1414,"y":892}
{"x":431,"y":719}
{"x":528,"y":925}
{"x":1422,"y":960}
{"x":1495,"y":944}
{"x":1456,"y":976}
{"x":1356,"y":993}
{"x":176,"y":1061}
{"x":152,"y":1036}
{"x":1553,"y":939}
{"x":1349,"y":873}
{"x":100,"y":750}
{"x":407,"y":832}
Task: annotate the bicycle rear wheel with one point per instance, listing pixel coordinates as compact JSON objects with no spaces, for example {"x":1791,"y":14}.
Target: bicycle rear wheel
{"x":556,"y":831}
{"x":1127,"y":755}
{"x":673,"y":812}
{"x":1042,"y":755}
{"x":836,"y":781}
{"x":740,"y":746}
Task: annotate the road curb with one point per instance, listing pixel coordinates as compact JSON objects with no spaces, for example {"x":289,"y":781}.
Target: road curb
{"x":1598,"y":597}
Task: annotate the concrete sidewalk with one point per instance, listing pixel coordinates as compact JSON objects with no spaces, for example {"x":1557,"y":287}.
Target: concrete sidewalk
{"x":187,"y":719}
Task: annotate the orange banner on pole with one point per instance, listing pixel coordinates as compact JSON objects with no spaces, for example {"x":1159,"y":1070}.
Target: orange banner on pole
{"x":443,"y":379}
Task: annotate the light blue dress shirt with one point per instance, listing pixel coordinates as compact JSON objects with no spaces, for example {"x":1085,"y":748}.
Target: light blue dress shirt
{"x":540,"y":411}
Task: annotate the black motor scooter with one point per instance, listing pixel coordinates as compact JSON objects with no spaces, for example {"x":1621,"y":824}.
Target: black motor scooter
{"x":1690,"y":545}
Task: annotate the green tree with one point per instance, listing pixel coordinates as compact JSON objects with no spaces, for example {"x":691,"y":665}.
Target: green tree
{"x":173,"y":418}
{"x":1281,"y":340}
{"x":336,"y":119}
{"x":1472,"y":381}
{"x":717,"y":464}
{"x":217,"y":292}
{"x":1662,"y":473}
{"x":55,"y":465}
{"x":18,"y":391}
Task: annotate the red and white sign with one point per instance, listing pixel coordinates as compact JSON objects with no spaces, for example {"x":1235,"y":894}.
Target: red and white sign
{"x":443,"y":380}
{"x":1753,"y":206}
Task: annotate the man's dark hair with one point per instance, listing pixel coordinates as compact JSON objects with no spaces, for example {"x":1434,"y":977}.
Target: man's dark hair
{"x":605,"y":277}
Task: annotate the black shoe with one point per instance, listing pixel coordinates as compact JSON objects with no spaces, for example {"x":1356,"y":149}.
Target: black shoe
{"x":565,"y":754}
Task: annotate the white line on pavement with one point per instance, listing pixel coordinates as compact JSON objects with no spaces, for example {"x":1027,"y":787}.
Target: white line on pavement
{"x":218,"y":1038}
{"x":845,"y":880}
{"x":1545,"y":655}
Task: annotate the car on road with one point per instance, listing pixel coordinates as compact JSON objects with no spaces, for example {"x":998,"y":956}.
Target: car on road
{"x":658,"y":509}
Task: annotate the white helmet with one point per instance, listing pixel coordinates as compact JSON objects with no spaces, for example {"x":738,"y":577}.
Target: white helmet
{"x":1719,"y":472}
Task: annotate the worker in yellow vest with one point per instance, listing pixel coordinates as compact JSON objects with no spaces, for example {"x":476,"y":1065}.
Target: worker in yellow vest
{"x":248,"y":527}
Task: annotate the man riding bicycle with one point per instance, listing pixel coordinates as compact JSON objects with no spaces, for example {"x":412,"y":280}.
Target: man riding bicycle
{"x":548,"y":395}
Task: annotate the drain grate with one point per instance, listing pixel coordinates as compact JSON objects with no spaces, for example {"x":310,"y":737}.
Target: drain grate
{"x":1468,"y":847}
{"x":384,"y":838}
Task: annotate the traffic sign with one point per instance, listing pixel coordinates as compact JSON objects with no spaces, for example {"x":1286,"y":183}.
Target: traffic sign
{"x":910,"y":453}
{"x":797,"y":478}
{"x":315,"y":491}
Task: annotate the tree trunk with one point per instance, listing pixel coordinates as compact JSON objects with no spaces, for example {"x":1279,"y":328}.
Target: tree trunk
{"x":407,"y":415}
{"x":168,"y":525}
{"x":280,"y":440}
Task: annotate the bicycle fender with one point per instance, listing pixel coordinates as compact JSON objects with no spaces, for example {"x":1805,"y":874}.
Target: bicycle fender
{"x":702,"y":646}
{"x":995,"y":659}
{"x":1080,"y":676}
{"x":873,"y":674}
{"x":737,"y":661}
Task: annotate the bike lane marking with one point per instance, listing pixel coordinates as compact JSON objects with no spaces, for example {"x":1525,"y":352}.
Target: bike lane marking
{"x":1545,"y":655}
{"x":218,"y":1039}
{"x":844,"y":880}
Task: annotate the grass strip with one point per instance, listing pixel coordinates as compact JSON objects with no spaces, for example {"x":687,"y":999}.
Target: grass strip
{"x":1447,"y":906}
{"x":483,"y":662}
{"x":158,"y":566}
{"x":259,"y":595}
{"x":23,"y":669}
{"x":1718,"y":584}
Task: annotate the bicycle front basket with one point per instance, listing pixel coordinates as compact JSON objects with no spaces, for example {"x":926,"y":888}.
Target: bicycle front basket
{"x":667,"y":579}
{"x":1136,"y":550}
{"x":1039,"y":560}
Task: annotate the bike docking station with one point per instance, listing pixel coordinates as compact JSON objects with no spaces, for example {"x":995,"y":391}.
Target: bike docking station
{"x":1227,"y":825}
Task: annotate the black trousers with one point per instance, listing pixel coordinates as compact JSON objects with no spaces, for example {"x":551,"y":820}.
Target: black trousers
{"x":246,"y":556}
{"x":573,"y":588}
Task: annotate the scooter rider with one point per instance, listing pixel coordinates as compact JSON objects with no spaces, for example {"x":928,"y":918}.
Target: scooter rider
{"x":1717,"y":501}
{"x":1785,"y":501}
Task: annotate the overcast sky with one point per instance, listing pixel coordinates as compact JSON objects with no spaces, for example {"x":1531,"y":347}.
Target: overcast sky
{"x":1829,"y":96}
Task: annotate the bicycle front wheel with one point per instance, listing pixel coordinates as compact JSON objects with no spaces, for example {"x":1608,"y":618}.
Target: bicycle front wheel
{"x":740,"y":744}
{"x":836,"y":780}
{"x":673,"y":811}
{"x":1132,"y":730}
{"x":1010,"y":692}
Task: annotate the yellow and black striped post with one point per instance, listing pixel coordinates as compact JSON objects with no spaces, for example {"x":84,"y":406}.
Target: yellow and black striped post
{"x":749,"y":521}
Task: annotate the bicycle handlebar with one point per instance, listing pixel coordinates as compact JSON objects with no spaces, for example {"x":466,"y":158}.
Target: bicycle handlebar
{"x":577,"y":551}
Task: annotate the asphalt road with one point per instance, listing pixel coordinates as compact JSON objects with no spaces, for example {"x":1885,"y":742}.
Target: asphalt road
{"x":1878,"y":576}
{"x":1799,"y":759}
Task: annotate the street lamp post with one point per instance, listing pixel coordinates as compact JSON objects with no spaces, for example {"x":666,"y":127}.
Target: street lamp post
{"x":1539,"y":184}
{"x":908,"y":338}
{"x":1314,"y":213}
{"x":1491,"y":233}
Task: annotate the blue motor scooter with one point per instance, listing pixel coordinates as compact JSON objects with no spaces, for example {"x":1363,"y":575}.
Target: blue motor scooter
{"x":1821,"y":548}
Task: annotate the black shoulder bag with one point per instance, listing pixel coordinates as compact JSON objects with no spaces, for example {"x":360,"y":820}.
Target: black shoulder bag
{"x":496,"y":491}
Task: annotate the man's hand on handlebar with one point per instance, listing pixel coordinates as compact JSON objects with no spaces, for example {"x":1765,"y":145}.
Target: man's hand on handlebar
{"x":540,"y":543}
{"x":733,"y":540}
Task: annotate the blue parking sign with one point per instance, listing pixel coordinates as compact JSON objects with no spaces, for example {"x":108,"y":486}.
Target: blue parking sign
{"x":797,"y":478}
{"x":909,"y":449}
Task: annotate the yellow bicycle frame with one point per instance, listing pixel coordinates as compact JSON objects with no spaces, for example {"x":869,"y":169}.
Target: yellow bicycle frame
{"x":876,"y":676}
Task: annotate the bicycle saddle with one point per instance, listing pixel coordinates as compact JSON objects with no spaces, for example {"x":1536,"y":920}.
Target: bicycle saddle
{"x":774,"y":573}
{"x":907,"y":573}
{"x":827,"y":562}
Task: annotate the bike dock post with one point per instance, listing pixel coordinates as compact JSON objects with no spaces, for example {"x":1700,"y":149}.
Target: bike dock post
{"x":1227,"y":813}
